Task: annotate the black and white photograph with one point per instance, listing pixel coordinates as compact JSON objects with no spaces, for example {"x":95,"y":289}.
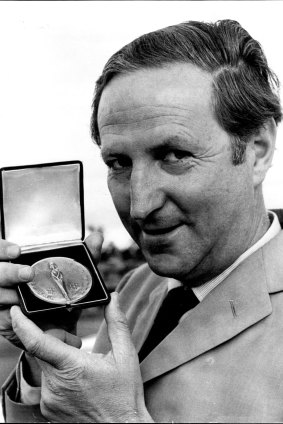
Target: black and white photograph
{"x":141,"y":211}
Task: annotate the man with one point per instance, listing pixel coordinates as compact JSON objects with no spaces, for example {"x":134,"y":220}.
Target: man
{"x":186,"y":120}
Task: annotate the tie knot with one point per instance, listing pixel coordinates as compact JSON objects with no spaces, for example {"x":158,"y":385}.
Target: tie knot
{"x":180,"y":299}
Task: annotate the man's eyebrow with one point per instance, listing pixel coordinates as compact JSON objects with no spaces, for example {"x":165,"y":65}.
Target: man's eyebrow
{"x":109,"y":151}
{"x":173,"y":141}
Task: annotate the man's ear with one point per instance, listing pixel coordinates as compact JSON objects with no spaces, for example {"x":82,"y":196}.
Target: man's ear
{"x":263,"y":146}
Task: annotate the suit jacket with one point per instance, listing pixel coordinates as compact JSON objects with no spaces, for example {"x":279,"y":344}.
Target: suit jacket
{"x":13,"y":411}
{"x":222,"y":363}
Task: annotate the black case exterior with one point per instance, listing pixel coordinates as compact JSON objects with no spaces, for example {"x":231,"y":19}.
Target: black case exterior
{"x":77,"y":250}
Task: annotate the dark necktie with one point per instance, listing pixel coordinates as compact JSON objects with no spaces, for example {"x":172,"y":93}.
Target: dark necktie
{"x":177,"y":302}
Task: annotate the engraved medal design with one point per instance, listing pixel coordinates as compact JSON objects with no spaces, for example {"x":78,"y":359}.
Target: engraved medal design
{"x":60,"y":280}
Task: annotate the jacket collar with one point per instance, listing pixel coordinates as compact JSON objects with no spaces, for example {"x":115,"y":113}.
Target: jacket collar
{"x":236,"y":304}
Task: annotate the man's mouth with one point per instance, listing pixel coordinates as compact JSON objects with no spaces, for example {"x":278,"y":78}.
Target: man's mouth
{"x":158,"y":231}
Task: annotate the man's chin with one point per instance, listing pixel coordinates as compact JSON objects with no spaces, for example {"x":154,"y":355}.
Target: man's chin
{"x":166,"y":266}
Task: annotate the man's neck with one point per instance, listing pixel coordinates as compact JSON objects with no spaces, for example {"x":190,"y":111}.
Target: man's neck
{"x":221,"y":257}
{"x":202,"y":291}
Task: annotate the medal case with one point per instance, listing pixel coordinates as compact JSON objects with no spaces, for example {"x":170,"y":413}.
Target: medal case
{"x":42,"y":210}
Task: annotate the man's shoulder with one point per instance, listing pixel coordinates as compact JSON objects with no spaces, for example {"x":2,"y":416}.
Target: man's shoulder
{"x":140,"y":272}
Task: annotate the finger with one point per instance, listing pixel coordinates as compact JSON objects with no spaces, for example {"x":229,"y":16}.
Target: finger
{"x":5,"y":321}
{"x":6,"y":329}
{"x":65,"y":337}
{"x":118,"y":330}
{"x":11,"y":274}
{"x":40,"y":345}
{"x":8,"y":297}
{"x":8,"y":250}
{"x":94,"y":242}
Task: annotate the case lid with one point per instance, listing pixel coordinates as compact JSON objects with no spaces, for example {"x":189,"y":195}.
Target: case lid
{"x":42,"y":204}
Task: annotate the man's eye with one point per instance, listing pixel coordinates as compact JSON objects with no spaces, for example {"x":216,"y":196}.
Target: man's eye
{"x":176,"y":157}
{"x":118,"y":164}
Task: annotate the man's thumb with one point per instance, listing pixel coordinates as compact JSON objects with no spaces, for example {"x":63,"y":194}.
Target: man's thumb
{"x":118,"y":330}
{"x":37,"y":343}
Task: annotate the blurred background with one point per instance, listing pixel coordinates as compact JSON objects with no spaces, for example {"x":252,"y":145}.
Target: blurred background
{"x":51,"y":55}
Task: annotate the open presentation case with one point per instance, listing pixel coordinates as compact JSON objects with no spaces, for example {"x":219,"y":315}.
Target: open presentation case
{"x":42,"y":210}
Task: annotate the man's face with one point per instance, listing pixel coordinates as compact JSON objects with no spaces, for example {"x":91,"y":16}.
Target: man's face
{"x":170,"y":172}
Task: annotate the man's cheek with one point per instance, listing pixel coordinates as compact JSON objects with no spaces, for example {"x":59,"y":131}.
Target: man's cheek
{"x":122,"y":205}
{"x":120,"y":196}
{"x":133,"y":229}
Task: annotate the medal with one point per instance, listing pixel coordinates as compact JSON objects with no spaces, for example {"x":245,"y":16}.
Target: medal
{"x":60,"y":280}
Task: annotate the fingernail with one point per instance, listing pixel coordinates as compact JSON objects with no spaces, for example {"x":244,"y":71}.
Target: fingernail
{"x":25,"y":273}
{"x":13,"y":311}
{"x":115,"y":296}
{"x":13,"y":251}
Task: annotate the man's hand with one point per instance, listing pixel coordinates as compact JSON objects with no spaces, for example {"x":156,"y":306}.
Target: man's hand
{"x":10,"y":276}
{"x":13,"y":274}
{"x":60,"y":323}
{"x":82,"y":387}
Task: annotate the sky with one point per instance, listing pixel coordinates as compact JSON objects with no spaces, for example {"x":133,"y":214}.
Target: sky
{"x":52,"y":53}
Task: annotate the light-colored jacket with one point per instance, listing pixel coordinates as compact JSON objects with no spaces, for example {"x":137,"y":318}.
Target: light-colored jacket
{"x":224,"y":361}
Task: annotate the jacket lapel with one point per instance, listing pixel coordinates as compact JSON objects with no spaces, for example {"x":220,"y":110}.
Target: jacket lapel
{"x":236,"y":304}
{"x":148,"y":314}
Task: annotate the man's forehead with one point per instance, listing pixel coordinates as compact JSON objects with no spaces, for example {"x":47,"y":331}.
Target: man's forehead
{"x":150,"y":92}
{"x":150,"y":114}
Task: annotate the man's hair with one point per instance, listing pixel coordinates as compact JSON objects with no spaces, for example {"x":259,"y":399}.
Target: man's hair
{"x":245,"y":90}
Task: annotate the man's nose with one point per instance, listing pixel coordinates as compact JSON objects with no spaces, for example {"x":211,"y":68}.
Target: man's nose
{"x":147,"y":194}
